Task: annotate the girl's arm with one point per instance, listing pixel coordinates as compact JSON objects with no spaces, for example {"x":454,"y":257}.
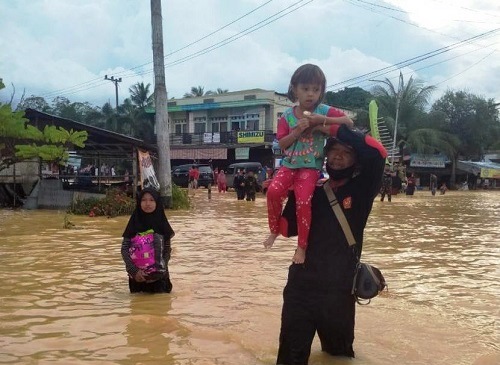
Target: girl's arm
{"x":129,"y":265}
{"x":319,"y":120}
{"x":287,"y":136}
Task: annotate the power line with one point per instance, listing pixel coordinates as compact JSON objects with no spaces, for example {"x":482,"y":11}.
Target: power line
{"x":416,"y":59}
{"x":97,"y":81}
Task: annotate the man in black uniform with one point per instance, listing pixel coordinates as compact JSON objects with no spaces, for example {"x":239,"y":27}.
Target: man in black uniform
{"x":239,"y":185}
{"x":317,"y":296}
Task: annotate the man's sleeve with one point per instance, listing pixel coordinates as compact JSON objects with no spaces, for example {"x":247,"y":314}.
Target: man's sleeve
{"x":371,"y":155}
{"x":334,"y":112}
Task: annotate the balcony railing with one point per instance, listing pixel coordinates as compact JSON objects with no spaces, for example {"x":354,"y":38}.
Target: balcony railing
{"x":222,"y":138}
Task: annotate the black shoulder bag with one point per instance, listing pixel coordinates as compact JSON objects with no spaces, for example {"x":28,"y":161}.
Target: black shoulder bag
{"x":368,"y":280}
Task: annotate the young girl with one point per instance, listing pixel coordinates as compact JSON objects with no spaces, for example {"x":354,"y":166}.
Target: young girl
{"x":301,"y":133}
{"x":147,"y":218}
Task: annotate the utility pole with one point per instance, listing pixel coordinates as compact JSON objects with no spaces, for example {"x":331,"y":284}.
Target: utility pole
{"x":114,"y":81}
{"x":161,"y":112}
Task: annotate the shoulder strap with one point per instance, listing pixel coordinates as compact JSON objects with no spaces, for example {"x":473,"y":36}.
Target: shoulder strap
{"x":339,"y":213}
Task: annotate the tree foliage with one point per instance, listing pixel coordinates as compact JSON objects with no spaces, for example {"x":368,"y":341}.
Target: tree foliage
{"x":355,"y":99}
{"x":473,"y":119}
{"x":410,"y":99}
{"x":20,"y":141}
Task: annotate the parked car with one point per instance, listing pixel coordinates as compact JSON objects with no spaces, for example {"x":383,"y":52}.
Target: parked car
{"x":180,"y":175}
{"x":233,"y":169}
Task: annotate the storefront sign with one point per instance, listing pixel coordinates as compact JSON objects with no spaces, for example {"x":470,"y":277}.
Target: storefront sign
{"x":211,"y":137}
{"x":427,"y":161}
{"x":242,"y":153}
{"x":251,"y":137}
{"x":490,"y":173}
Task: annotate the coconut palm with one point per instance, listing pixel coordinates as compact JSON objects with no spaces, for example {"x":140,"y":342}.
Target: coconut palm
{"x":408,"y":101}
{"x":139,"y":95}
{"x":195,"y":92}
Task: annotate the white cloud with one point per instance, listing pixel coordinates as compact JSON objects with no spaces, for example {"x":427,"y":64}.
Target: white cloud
{"x":68,"y":46}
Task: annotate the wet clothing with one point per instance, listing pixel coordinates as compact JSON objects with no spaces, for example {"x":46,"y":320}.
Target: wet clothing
{"x":141,"y":221}
{"x":433,"y":184}
{"x":239,"y":186}
{"x":411,"y":185}
{"x":317,"y":296}
{"x":221,"y":182}
{"x":386,"y":186}
{"x":303,"y":182}
{"x":250,"y":187}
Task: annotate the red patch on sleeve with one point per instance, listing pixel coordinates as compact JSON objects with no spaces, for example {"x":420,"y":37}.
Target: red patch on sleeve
{"x":347,"y":202}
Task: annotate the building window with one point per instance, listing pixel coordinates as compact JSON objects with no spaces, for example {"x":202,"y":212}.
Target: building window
{"x":219,"y":124}
{"x":208,"y":101}
{"x":200,"y":127}
{"x":180,"y":128}
{"x":237,"y":126}
{"x":250,"y":97}
{"x":253,"y":125}
{"x":172,"y":103}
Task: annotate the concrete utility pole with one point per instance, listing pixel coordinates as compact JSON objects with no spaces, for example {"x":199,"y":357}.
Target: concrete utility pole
{"x":161,"y":112}
{"x":114,"y":81}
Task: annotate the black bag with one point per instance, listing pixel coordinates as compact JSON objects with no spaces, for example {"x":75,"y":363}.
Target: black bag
{"x":368,"y":282}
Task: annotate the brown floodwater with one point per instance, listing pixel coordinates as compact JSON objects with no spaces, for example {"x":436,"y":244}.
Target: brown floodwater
{"x":64,"y":295}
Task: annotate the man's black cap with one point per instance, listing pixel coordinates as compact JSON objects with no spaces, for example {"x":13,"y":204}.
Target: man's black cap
{"x":330,"y":142}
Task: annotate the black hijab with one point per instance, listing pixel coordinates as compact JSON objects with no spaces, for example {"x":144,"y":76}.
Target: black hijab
{"x":141,"y":221}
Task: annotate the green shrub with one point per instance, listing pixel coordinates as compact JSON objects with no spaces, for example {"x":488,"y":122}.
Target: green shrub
{"x":115,"y":203}
{"x":180,"y":198}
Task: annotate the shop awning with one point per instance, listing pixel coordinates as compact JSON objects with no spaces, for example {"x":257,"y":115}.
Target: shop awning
{"x":485,"y":169}
{"x":199,"y":154}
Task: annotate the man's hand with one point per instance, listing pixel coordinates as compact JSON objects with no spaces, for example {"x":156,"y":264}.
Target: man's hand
{"x":140,"y":276}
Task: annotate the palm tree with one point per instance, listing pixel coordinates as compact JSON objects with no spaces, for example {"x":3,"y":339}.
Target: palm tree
{"x":139,"y":95}
{"x":221,"y":91}
{"x":195,"y":91}
{"x":408,"y":102}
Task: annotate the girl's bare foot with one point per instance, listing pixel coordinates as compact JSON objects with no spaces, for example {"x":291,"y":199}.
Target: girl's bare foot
{"x":300,"y":256}
{"x":268,"y":243}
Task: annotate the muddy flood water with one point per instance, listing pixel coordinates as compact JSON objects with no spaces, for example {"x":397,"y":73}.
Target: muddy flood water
{"x":64,"y":295}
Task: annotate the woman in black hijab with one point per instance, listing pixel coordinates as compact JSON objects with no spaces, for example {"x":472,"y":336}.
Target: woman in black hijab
{"x":148,"y":215}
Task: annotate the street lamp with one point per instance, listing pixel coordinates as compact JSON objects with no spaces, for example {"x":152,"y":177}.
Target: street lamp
{"x":398,"y":100}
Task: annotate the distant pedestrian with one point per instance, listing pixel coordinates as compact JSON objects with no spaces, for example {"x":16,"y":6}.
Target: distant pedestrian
{"x":221,"y":181}
{"x":239,"y":185}
{"x":386,"y":188}
{"x":443,"y":188}
{"x":411,"y":184}
{"x":250,"y":186}
{"x":433,"y":184}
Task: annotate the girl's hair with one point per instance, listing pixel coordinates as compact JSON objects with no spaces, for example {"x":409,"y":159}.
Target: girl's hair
{"x":307,"y":74}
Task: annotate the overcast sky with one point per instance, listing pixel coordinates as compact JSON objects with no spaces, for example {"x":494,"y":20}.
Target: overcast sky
{"x":65,"y":48}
